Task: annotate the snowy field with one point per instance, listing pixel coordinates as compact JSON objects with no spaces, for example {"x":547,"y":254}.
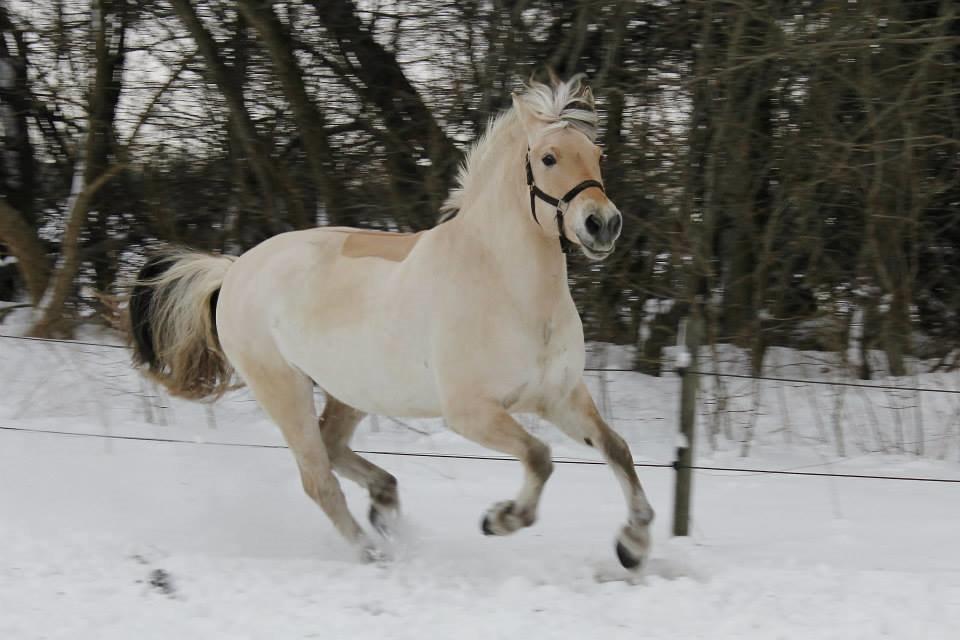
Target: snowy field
{"x":118,"y":539}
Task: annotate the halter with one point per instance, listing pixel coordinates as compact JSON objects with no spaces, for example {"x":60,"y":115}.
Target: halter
{"x":562,"y":204}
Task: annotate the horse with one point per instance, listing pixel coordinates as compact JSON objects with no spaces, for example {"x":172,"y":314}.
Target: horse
{"x":471,"y":320}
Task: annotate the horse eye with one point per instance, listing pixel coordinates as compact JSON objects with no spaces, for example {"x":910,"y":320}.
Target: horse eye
{"x":549,"y":160}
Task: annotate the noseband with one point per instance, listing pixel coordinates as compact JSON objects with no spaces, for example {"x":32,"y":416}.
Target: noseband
{"x":561,"y":204}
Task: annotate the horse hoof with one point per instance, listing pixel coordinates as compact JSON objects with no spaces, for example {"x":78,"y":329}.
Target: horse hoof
{"x":379,"y":521}
{"x":504,"y":518}
{"x":487,"y":527}
{"x":627,"y":559}
{"x":633,"y":543}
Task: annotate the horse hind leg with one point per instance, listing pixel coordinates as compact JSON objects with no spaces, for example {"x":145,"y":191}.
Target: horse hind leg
{"x":286,"y":395}
{"x":490,"y":425}
{"x":337,"y":424}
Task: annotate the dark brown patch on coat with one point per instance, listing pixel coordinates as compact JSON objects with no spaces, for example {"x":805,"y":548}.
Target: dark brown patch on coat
{"x":619,"y":455}
{"x":538,"y":460}
{"x":379,"y":244}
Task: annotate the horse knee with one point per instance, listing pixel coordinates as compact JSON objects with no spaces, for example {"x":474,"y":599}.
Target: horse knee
{"x":320,"y":486}
{"x":310,"y":485}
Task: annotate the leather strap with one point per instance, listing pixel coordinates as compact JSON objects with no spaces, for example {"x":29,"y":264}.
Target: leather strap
{"x":561,"y":204}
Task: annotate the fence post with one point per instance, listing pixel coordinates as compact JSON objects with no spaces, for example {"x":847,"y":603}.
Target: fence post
{"x":689,"y":379}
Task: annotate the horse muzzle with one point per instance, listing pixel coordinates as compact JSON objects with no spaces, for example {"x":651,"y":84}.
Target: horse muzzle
{"x":599,"y":231}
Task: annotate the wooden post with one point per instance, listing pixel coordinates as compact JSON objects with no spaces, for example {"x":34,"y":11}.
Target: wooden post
{"x":689,"y":379}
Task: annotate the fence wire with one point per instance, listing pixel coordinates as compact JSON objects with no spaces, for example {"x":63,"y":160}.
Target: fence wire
{"x":416,"y":454}
{"x":454,"y":456}
{"x":82,"y":343}
{"x":831,"y":383}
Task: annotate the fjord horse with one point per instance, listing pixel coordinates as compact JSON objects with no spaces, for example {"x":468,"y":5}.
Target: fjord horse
{"x":471,"y":320}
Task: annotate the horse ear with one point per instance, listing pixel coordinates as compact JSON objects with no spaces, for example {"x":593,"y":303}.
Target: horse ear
{"x":528,"y":119}
{"x":588,"y":96}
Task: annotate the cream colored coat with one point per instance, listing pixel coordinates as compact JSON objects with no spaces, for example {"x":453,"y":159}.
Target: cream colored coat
{"x":472,"y":320}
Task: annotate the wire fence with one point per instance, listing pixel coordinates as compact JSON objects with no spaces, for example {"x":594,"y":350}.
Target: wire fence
{"x":720,"y":374}
{"x":454,"y":456}
{"x":600,"y":370}
{"x":829,"y":383}
{"x":82,"y":343}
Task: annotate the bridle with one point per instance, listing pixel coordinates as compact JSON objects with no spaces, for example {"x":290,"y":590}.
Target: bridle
{"x":562,"y":204}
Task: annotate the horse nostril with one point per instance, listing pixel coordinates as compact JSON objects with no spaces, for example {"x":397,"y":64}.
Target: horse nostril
{"x":615,"y":225}
{"x":593,"y":224}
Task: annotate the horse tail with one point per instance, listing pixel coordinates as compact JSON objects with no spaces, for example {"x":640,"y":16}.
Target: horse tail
{"x":172,"y":323}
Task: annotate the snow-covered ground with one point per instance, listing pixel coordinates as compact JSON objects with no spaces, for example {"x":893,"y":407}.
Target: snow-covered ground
{"x":107,"y":538}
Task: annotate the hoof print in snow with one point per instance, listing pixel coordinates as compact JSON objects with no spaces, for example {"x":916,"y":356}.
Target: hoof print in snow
{"x":162,"y":582}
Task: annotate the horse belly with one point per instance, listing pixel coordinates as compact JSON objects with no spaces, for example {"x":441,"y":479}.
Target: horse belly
{"x":373,"y":370}
{"x":369,"y":356}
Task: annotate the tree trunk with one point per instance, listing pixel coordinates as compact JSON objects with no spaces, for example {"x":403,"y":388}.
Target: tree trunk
{"x":256,"y":149}
{"x":412,"y":131}
{"x":109,"y":28}
{"x":17,"y":176}
{"x":744,"y":141}
{"x":310,"y":120}
{"x":50,"y":321}
{"x":22,"y":242}
{"x":110,"y":53}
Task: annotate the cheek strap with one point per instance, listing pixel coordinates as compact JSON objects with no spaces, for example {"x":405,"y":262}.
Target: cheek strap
{"x":561,"y":204}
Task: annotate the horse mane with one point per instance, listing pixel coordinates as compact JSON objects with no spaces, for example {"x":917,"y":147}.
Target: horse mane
{"x":559,"y":104}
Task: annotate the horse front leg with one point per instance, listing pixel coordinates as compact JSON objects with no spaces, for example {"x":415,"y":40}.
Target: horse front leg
{"x":489,"y":424}
{"x":577,"y":416}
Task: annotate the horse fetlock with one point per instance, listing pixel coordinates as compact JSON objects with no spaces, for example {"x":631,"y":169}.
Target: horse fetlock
{"x":383,"y":519}
{"x":506,"y":517}
{"x":633,"y":545}
{"x":384,"y":493}
{"x":642,"y":516}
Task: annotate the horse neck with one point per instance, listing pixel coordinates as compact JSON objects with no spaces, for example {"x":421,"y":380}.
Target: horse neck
{"x":502,"y":222}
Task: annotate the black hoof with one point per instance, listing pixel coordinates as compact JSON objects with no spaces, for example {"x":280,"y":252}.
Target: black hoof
{"x":385,"y":519}
{"x":378,"y":521}
{"x":485,"y":525}
{"x":504,"y":518}
{"x":627,"y":559}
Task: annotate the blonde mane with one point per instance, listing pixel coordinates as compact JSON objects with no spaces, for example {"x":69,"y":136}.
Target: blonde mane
{"x":562,"y":104}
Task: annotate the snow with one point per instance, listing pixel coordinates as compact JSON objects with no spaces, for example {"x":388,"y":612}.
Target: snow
{"x":111,"y":539}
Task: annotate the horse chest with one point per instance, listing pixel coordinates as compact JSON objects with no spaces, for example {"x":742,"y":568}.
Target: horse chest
{"x":556,"y":364}
{"x":551,"y":348}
